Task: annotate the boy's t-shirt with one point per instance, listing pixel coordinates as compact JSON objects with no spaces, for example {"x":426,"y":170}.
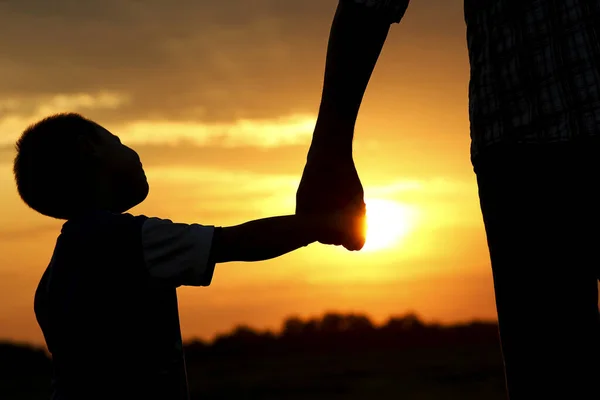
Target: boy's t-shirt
{"x":107,"y":305}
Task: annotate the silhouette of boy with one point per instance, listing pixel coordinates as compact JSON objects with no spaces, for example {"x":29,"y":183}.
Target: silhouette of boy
{"x":107,"y":303}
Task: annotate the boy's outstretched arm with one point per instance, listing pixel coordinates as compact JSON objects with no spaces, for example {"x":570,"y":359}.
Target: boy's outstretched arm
{"x":268,"y":238}
{"x":185,"y":254}
{"x":330,"y":180}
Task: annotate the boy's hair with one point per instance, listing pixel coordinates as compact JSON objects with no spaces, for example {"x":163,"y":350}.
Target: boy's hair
{"x":50,"y":165}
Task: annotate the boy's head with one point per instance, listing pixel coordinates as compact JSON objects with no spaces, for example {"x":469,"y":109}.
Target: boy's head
{"x":67,"y":165}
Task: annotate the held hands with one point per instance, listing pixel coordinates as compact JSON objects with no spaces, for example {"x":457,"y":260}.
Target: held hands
{"x":339,"y":228}
{"x":330,"y":187}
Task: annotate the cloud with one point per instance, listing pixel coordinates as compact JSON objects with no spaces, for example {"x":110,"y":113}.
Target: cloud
{"x":187,"y":60}
{"x":204,"y":59}
{"x":43,"y":105}
{"x":285,"y":159}
{"x":291,"y":130}
{"x":205,"y":68}
{"x":17,"y":113}
{"x":231,"y":84}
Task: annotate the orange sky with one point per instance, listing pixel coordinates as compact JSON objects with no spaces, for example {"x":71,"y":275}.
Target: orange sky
{"x":219,"y":98}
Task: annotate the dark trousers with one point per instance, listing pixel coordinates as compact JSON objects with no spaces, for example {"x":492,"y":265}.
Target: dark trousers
{"x":541,"y":209}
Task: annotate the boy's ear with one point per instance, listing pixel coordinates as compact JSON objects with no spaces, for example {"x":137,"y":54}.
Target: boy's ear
{"x":88,"y":147}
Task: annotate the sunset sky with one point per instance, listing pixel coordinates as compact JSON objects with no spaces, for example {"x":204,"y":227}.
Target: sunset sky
{"x":220,"y":98}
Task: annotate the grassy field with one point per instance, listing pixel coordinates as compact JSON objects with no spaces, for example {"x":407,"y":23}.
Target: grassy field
{"x":447,"y":373}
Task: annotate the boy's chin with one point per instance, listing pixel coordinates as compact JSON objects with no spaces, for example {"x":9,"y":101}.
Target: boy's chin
{"x":132,"y":199}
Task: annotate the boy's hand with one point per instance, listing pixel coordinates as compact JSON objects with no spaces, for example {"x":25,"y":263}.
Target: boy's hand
{"x":339,"y":228}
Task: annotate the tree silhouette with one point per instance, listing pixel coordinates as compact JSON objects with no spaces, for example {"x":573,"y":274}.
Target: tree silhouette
{"x":335,"y":343}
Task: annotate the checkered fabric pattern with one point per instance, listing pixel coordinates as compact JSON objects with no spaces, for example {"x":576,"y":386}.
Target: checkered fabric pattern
{"x":535,"y":69}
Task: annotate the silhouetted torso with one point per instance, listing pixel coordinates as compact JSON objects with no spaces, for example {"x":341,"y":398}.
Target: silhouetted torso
{"x":112,"y":330}
{"x":535,"y":71}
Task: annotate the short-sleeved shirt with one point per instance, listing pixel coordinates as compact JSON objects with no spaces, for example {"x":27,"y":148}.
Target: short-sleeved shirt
{"x":107,"y":305}
{"x":535,"y":69}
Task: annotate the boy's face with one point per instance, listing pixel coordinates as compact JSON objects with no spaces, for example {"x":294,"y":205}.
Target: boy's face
{"x":125,"y":182}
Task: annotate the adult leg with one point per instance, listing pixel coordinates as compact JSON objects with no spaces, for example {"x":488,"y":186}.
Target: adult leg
{"x":541,"y":212}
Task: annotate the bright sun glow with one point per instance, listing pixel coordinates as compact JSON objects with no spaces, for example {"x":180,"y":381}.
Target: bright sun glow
{"x":388,"y":223}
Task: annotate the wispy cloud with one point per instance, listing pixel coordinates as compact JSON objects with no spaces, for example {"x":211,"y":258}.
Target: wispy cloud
{"x":288,"y":130}
{"x":38,"y":106}
{"x":215,"y":61}
{"x":18,"y":113}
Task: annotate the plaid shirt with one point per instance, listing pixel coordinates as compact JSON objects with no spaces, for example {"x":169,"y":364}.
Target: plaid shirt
{"x":535,"y":69}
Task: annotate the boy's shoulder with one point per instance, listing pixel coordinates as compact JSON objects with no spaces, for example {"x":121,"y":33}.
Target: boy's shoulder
{"x":177,"y":253}
{"x":103,"y":221}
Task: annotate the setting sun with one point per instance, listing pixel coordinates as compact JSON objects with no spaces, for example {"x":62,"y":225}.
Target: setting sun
{"x":387,"y":223}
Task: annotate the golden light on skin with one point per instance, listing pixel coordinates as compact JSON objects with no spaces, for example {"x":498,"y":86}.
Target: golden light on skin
{"x":388,"y":222}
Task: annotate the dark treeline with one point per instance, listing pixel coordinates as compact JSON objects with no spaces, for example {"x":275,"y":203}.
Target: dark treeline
{"x":343,"y":332}
{"x":333,"y":356}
